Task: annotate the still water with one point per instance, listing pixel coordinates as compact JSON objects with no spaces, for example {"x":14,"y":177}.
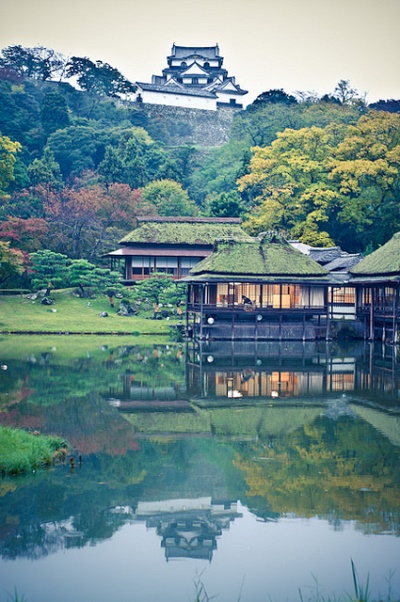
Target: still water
{"x":237,"y":471}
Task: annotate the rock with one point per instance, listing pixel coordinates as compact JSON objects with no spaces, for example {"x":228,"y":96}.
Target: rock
{"x":126,"y":310}
{"x":47,"y":301}
{"x":104,"y":314}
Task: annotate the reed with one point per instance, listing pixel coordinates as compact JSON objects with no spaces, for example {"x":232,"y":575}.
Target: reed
{"x":23,"y":452}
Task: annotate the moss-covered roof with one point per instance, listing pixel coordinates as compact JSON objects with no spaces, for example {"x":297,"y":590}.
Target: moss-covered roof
{"x":385,"y":260}
{"x":184,"y":231}
{"x":267,"y":255}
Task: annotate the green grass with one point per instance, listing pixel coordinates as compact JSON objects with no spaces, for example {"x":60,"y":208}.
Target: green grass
{"x":22,"y":452}
{"x":70,"y":314}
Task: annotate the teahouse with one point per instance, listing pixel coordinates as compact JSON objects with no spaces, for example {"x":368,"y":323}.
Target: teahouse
{"x":258,"y":288}
{"x":170,"y":245}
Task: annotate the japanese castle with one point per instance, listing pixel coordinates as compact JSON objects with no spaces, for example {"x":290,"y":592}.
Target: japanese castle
{"x":193,"y":79}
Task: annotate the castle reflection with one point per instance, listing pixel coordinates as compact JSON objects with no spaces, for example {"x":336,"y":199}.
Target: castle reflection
{"x":188,"y":527}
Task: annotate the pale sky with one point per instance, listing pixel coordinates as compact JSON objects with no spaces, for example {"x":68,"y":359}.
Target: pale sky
{"x":306,"y":45}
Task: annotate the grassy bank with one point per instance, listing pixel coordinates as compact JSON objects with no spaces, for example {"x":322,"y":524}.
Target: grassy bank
{"x":72,"y":315}
{"x":22,"y":452}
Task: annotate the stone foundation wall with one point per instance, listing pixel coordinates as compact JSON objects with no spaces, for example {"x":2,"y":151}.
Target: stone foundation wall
{"x":191,"y":126}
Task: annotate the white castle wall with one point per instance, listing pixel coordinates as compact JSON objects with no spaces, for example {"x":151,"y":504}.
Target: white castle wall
{"x":178,"y":100}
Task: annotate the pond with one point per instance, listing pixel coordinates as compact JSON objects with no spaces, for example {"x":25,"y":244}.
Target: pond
{"x":239,"y":471}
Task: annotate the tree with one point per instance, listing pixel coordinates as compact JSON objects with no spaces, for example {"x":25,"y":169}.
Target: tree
{"x":99,"y":78}
{"x":392,"y":106}
{"x":275,"y":96}
{"x":46,"y":172}
{"x":111,"y":168}
{"x":24,"y":234}
{"x":83,"y":274}
{"x":226,"y":204}
{"x":8,"y":151}
{"x":344,"y":92}
{"x":38,"y":62}
{"x":54,"y":113}
{"x":288,"y":182}
{"x":339,"y":183}
{"x":365,"y":170}
{"x":49,"y":270}
{"x":11,"y":263}
{"x":169,"y":198}
{"x":153,"y":289}
{"x":78,"y":148}
{"x":75,"y":227}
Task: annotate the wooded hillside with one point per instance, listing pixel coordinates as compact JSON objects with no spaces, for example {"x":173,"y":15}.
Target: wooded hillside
{"x":79,"y":162}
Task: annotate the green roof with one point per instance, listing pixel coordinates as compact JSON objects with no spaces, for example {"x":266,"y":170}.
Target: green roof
{"x":184,"y":231}
{"x":385,"y":260}
{"x":267,"y":255}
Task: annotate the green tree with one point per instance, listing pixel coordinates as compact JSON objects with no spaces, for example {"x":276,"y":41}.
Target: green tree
{"x":11,"y":263}
{"x":46,"y":172}
{"x":365,"y":170}
{"x":83,"y":274}
{"x":169,"y":198}
{"x":274,"y":97}
{"x":78,"y":148}
{"x":226,"y":204}
{"x":49,"y":270}
{"x":54,"y":113}
{"x":38,"y":62}
{"x":339,"y":183}
{"x":111,"y":168}
{"x":99,"y":78}
{"x":287,"y":183}
{"x":8,"y":151}
{"x":153,"y":289}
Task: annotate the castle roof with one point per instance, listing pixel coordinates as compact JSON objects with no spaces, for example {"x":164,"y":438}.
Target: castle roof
{"x":169,"y":88}
{"x":207,"y":52}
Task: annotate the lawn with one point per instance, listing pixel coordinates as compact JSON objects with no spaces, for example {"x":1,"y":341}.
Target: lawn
{"x":71,"y":315}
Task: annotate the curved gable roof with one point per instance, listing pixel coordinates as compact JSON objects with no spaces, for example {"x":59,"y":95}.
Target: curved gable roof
{"x":383,"y":261}
{"x":183,"y":231}
{"x":267,"y":255}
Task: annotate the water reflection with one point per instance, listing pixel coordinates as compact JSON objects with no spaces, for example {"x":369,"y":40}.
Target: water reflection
{"x":175,"y":438}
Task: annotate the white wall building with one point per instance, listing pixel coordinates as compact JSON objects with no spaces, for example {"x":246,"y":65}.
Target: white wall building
{"x":193,"y":79}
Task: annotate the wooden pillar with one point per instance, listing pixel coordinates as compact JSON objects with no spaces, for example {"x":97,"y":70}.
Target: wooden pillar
{"x":395,"y":310}
{"x":188,"y":292}
{"x":201,"y":310}
{"x":371,"y":314}
{"x":329,"y":309}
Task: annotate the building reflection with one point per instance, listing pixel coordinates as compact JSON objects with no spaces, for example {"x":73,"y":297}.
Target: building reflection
{"x":188,"y":528}
{"x":241,"y":372}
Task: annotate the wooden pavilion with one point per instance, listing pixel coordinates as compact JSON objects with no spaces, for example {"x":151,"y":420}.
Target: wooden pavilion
{"x":377,"y":282}
{"x":170,"y":245}
{"x":258,"y":288}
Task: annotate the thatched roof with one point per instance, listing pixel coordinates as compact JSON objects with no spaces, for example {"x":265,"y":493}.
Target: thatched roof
{"x":383,"y":261}
{"x":268,"y":255}
{"x":183,"y":231}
